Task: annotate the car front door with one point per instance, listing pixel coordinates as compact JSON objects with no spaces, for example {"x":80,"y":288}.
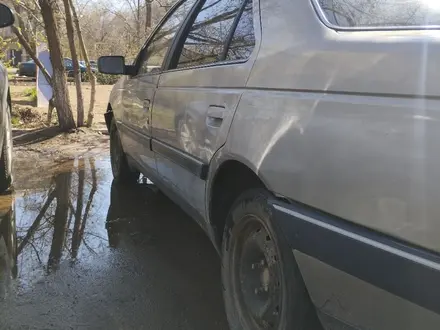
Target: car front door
{"x":140,"y":88}
{"x":197,"y":96}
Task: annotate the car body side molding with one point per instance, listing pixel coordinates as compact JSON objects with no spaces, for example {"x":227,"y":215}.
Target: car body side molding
{"x":194,"y":165}
{"x":407,"y":271}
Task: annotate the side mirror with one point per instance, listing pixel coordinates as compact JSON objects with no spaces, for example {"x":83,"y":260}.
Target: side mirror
{"x":112,"y":65}
{"x":6,"y":16}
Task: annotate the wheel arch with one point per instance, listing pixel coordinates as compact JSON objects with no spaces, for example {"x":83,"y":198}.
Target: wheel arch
{"x":231,"y":178}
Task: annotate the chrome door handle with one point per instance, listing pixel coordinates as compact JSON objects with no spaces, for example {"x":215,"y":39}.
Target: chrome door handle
{"x":216,"y":112}
{"x":215,"y":116}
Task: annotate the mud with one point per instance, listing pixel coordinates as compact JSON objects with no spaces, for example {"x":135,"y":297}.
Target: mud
{"x":80,"y":252}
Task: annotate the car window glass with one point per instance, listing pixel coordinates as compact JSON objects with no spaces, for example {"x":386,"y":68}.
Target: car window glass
{"x":157,"y":48}
{"x":377,"y":13}
{"x":243,"y":39}
{"x":205,"y":41}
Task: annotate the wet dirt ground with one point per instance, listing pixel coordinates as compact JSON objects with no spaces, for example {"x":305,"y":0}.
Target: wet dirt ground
{"x":80,"y":252}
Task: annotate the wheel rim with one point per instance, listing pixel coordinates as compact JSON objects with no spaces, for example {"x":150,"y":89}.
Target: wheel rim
{"x":257,"y":276}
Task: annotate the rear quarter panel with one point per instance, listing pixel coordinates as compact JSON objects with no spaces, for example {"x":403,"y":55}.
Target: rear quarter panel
{"x":370,"y":160}
{"x":348,"y":123}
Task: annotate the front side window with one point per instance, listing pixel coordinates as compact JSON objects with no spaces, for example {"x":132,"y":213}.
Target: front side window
{"x":154,"y":54}
{"x":381,"y":13}
{"x":206,"y":39}
{"x":243,"y":39}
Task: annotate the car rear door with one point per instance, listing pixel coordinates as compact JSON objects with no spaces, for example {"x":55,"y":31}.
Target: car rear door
{"x":198,"y":94}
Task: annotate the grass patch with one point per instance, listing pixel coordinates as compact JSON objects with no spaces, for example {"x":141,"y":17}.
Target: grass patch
{"x":31,"y":93}
{"x":11,"y":70}
{"x":15,"y":121}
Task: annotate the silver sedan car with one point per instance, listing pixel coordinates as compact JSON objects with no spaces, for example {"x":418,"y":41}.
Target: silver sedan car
{"x":304,"y":138}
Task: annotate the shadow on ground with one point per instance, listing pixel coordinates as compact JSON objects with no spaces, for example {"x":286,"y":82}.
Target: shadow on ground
{"x":23,"y":102}
{"x":26,"y":137}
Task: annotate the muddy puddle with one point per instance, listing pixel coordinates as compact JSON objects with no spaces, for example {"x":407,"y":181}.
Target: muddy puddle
{"x":78,"y":251}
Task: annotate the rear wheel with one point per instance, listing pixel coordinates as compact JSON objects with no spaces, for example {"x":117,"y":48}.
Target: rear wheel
{"x":6,"y":156}
{"x":263,"y":287}
{"x":122,"y":172}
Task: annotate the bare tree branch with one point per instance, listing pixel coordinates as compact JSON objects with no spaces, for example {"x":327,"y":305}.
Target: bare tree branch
{"x":32,"y":229}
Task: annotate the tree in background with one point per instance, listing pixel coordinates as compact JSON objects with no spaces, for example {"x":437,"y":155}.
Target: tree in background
{"x":76,"y":69}
{"x":59,"y":83}
{"x":29,"y":21}
{"x":90,"y":73}
{"x":103,"y":27}
{"x":120,"y":27}
{"x":32,"y":53}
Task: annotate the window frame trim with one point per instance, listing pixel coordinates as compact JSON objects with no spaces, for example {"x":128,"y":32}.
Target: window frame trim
{"x":323,"y":18}
{"x":237,"y":19}
{"x":209,"y":65}
{"x":174,"y":56}
{"x":138,"y":61}
{"x":178,"y":41}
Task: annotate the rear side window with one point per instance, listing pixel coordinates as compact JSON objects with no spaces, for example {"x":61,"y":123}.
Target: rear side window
{"x":243,"y":39}
{"x":381,"y":13}
{"x":205,"y":41}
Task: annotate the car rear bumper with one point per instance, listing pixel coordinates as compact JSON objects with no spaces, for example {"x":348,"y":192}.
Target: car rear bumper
{"x":406,"y":271}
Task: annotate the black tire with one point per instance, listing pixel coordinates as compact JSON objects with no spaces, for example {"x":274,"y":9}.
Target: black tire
{"x":6,"y":157}
{"x":268,"y":264}
{"x":122,"y":172}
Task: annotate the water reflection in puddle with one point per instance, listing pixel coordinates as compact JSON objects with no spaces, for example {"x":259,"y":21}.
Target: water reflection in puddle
{"x":78,"y":251}
{"x":59,"y":216}
{"x":55,"y":219}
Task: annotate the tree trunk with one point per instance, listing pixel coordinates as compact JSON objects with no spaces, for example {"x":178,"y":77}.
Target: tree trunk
{"x":76,"y":70}
{"x":32,"y":53}
{"x":90,"y":73}
{"x":50,"y":110}
{"x":147,"y":15}
{"x":138,"y":23}
{"x":59,"y":84}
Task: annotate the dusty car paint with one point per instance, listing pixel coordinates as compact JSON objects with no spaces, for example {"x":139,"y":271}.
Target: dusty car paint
{"x":342,"y":122}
